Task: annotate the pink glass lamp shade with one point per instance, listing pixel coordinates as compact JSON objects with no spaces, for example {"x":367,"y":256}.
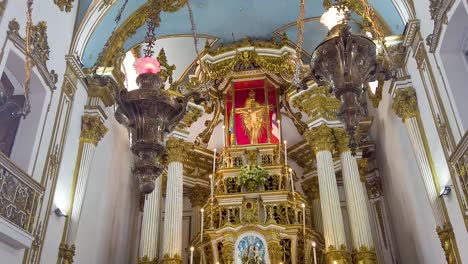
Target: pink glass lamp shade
{"x":147,"y":65}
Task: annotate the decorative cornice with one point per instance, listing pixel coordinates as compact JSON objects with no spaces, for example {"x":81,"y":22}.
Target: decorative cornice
{"x":438,"y":10}
{"x":75,"y":65}
{"x":92,"y":129}
{"x":101,"y":87}
{"x":317,"y":102}
{"x":320,"y":138}
{"x":177,"y":149}
{"x":412,"y":29}
{"x":405,"y":104}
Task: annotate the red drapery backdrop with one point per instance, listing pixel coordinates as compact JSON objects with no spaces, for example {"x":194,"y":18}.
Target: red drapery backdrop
{"x":235,"y":99}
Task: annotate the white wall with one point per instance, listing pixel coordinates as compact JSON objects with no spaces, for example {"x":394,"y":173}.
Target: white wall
{"x":411,"y":215}
{"x":110,"y":209}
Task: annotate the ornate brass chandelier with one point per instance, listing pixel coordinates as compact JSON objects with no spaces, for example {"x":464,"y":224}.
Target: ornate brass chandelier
{"x":346,"y":62}
{"x":150,"y":114}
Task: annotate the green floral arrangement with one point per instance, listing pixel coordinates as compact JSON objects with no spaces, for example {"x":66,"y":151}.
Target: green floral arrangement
{"x":253,"y":173}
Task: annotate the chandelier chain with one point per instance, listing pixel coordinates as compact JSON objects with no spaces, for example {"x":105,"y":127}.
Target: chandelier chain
{"x":300,"y":39}
{"x":195,"y":41}
{"x":117,"y":19}
{"x":150,"y":37}
{"x":28,"y":64}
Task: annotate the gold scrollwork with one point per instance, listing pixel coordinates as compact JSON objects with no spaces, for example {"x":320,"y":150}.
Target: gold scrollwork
{"x":317,"y":102}
{"x":447,"y":240}
{"x":66,"y":253}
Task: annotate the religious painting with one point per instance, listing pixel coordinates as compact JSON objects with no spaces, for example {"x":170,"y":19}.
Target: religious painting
{"x":251,"y":250}
{"x":251,"y":113}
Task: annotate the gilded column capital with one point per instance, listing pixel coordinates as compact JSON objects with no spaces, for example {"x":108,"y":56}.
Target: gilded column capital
{"x":66,"y":253}
{"x":177,"y":149}
{"x":176,"y":259}
{"x":92,"y":129}
{"x":146,"y":260}
{"x":365,"y":255}
{"x":405,"y":103}
{"x":342,"y":139}
{"x":447,"y":240}
{"x":340,"y":255}
{"x":198,"y":195}
{"x":320,"y":138}
{"x":228,"y":252}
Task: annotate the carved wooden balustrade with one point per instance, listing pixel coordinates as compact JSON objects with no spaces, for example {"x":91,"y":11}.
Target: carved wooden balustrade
{"x":19,"y":195}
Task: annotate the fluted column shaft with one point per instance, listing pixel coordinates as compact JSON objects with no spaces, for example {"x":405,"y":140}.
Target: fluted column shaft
{"x":92,"y":131}
{"x":317,"y":215}
{"x":322,"y":141}
{"x":406,"y":107}
{"x":149,"y":240}
{"x":333,"y":227}
{"x":172,"y":240}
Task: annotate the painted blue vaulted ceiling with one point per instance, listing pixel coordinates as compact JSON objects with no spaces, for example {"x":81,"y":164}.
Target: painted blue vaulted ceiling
{"x":229,"y":20}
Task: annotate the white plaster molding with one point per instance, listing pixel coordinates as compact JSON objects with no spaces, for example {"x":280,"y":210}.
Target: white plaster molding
{"x":13,"y":236}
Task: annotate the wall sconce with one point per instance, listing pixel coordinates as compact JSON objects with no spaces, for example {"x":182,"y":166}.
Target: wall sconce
{"x":446,"y":191}
{"x":59,"y":212}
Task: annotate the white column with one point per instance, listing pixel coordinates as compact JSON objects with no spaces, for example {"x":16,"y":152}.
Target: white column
{"x":361,"y":233}
{"x":323,"y":142}
{"x":149,"y":240}
{"x":172,"y":240}
{"x":317,"y":215}
{"x":406,"y":107}
{"x":333,"y":227}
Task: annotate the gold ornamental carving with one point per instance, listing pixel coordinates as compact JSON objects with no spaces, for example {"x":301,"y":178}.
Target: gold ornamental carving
{"x":66,"y":253}
{"x":192,"y":115}
{"x":64,"y":5}
{"x":365,"y":256}
{"x":447,"y":240}
{"x":228,"y":253}
{"x":177,"y":149}
{"x":405,"y":104}
{"x":102,"y":88}
{"x":320,"y":138}
{"x":317,"y":102}
{"x":92,"y":129}
{"x":340,"y":255}
{"x":40,"y":42}
{"x":362,"y":167}
{"x":275,"y":251}
{"x":198,"y":195}
{"x":342,"y":140}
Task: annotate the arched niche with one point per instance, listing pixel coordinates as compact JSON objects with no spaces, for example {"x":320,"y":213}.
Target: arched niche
{"x":251,"y":243}
{"x":29,"y":130}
